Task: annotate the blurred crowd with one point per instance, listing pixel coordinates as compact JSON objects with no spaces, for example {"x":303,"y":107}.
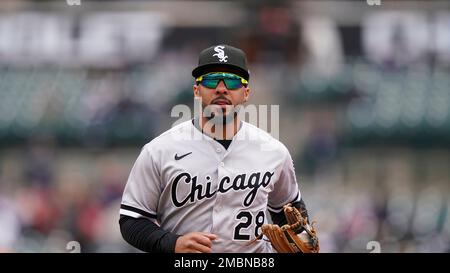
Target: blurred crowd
{"x":364,"y":109}
{"x":50,"y":197}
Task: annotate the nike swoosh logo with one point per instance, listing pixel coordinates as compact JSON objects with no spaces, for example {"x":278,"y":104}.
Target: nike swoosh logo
{"x":180,"y":157}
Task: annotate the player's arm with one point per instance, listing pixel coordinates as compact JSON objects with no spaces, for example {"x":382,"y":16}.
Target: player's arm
{"x":138,"y":209}
{"x":286,"y":191}
{"x":147,"y":236}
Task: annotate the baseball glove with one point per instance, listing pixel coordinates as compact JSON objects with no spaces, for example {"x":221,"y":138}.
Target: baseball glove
{"x":297,"y":236}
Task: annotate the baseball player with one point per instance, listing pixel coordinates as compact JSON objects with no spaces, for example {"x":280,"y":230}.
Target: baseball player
{"x":205,"y":185}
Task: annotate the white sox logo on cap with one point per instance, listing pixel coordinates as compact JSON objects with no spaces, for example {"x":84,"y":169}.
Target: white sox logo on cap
{"x":218,"y":57}
{"x":220,"y":54}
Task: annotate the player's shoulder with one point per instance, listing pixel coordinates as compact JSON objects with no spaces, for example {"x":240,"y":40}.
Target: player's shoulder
{"x":168,"y":137}
{"x":257,"y":134}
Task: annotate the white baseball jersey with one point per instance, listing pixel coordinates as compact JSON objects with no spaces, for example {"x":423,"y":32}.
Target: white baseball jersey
{"x":187,"y":181}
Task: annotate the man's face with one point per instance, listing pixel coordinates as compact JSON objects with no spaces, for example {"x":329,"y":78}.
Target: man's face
{"x":221,"y":101}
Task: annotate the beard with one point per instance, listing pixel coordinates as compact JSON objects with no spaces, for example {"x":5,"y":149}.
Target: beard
{"x":221,"y":116}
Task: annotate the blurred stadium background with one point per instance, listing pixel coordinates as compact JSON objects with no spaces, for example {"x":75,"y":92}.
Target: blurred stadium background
{"x":364,"y":95}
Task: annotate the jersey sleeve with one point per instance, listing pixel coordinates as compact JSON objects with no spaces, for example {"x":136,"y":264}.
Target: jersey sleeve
{"x":286,"y":188}
{"x":142,"y":191}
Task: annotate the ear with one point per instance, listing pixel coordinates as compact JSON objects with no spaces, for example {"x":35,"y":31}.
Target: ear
{"x":246,"y":94}
{"x":196,"y":90}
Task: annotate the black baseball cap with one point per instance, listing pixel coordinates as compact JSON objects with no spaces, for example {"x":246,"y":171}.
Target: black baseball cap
{"x":224,"y":57}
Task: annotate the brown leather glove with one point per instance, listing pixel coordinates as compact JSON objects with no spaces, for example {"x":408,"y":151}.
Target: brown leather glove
{"x":297,"y":236}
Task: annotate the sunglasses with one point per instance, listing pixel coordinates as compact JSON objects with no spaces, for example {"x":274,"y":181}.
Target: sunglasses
{"x":232,"y":81}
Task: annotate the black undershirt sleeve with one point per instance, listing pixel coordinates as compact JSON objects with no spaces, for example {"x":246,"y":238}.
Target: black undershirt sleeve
{"x":147,"y":236}
{"x":279,"y":218}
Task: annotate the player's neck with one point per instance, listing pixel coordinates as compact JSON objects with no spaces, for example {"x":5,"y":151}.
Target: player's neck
{"x":220,"y":131}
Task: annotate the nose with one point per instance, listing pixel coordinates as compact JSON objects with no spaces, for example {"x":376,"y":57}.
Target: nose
{"x":221,"y":88}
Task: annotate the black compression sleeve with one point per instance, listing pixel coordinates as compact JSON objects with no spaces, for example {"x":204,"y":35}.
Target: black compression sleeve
{"x":279,"y":218}
{"x":147,"y":236}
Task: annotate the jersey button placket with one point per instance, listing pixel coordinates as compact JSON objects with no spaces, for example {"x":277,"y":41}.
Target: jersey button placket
{"x":217,"y":211}
{"x":221,"y":172}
